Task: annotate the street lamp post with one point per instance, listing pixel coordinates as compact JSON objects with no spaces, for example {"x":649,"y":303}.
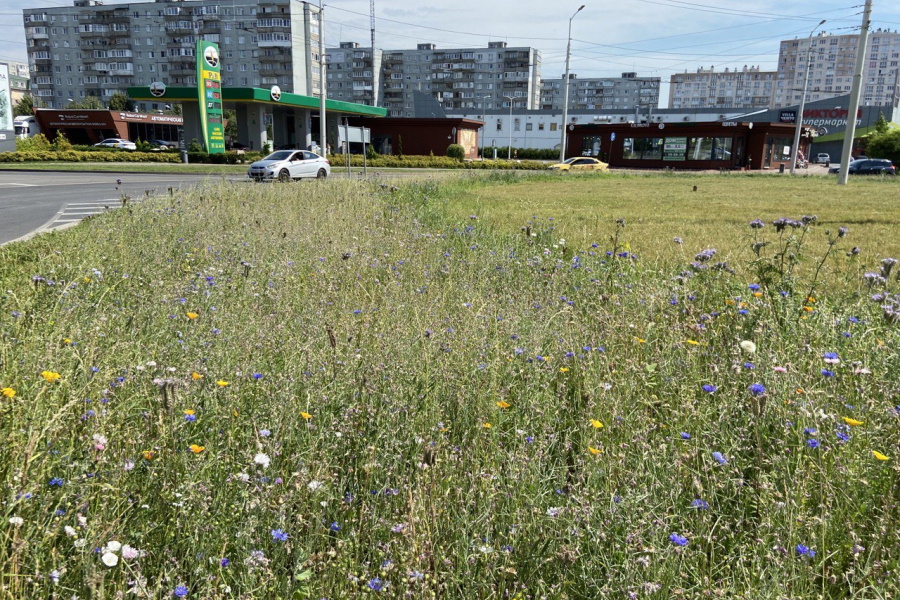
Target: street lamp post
{"x":565,"y":114}
{"x":509,"y":148}
{"x":796,"y":149}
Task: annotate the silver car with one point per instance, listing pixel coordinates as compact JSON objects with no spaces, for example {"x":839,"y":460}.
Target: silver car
{"x":285,"y":165}
{"x":117,"y":143}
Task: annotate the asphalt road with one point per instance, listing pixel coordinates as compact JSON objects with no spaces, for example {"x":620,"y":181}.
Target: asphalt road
{"x":31,"y":201}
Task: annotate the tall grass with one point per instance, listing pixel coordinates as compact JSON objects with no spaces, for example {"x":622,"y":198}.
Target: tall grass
{"x":342,"y":390}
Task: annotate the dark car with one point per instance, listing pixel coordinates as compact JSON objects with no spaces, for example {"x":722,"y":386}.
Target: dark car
{"x":868,"y":166}
{"x":872,"y":166}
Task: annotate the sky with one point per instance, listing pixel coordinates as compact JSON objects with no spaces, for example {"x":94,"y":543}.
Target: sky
{"x":654,"y":38}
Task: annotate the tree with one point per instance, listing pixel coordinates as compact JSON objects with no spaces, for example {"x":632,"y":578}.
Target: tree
{"x":881,"y":125}
{"x":24,"y":107}
{"x":89,"y":103}
{"x":173,"y":109}
{"x":122,"y":102}
{"x":230,"y":117}
{"x":885,"y":145}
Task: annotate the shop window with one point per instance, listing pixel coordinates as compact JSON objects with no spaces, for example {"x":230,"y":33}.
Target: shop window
{"x":709,"y":148}
{"x":643,"y":148}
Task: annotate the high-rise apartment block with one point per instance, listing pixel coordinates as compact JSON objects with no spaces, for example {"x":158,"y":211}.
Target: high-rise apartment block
{"x":707,"y":88}
{"x":458,"y":78}
{"x":602,"y":93}
{"x":832,"y":59}
{"x":92,"y":49}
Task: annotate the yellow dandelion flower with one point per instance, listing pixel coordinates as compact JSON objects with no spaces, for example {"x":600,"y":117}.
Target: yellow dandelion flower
{"x":503,"y":404}
{"x":50,"y":376}
{"x":8,"y":392}
{"x":305,"y":415}
{"x":879,"y":455}
{"x":800,"y":391}
{"x":596,"y":424}
{"x":693,"y":342}
{"x":192,"y":315}
{"x":487,"y":425}
{"x":563,"y":369}
{"x":221,"y":383}
{"x":189,"y":412}
{"x":640,"y":340}
{"x":810,"y":299}
{"x":445,"y":429}
{"x":808,"y":308}
{"x":757,"y":294}
{"x":852,"y":422}
{"x":197,"y":449}
{"x":729,"y":302}
{"x":594,"y":451}
{"x":195,"y":375}
{"x":67,"y":341}
{"x":87,"y":279}
{"x":148,"y":454}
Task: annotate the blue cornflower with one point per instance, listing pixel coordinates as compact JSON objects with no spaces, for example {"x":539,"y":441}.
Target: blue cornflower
{"x":827,"y":373}
{"x":805,"y":551}
{"x":190,"y":418}
{"x":539,"y":358}
{"x":719,"y":458}
{"x":743,"y":311}
{"x":757,"y":389}
{"x":257,"y":376}
{"x":753,"y":287}
{"x":809,"y":431}
{"x":224,"y":562}
{"x":180,"y":592}
{"x":264,"y":433}
{"x":830,"y":356}
{"x":56,"y":482}
{"x":335,"y":527}
{"x":749,"y":366}
{"x":843,"y":437}
{"x":710,"y":388}
{"x":376,"y":584}
{"x":279,"y":536}
{"x":700,"y":504}
{"x":678,"y":540}
{"x":812,"y":443}
{"x":685,"y":435}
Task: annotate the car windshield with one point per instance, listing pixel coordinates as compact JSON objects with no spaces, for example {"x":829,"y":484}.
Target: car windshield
{"x":571,"y":160}
{"x":281,"y":155}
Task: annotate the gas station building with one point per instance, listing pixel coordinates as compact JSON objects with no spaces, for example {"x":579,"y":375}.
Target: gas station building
{"x":294,"y":119}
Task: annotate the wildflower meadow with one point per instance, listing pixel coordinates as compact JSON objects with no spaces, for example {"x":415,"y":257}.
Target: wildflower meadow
{"x":453,"y":389}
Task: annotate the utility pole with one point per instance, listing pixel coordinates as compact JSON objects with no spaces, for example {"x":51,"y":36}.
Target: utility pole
{"x":565,"y":110}
{"x":850,"y":132}
{"x":374,"y":68}
{"x":323,"y":146}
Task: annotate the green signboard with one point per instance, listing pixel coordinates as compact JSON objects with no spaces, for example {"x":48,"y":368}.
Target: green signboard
{"x":674,"y":148}
{"x":209,"y":88}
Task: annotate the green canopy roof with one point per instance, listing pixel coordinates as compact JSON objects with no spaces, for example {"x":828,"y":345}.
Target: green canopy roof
{"x":253,"y":95}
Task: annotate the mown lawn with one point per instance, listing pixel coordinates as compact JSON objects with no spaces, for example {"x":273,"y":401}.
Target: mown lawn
{"x":353,"y":389}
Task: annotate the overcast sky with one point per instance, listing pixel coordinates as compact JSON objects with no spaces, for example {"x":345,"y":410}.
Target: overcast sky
{"x":654,"y":38}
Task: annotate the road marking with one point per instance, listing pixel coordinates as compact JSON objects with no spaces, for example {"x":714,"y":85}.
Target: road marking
{"x":19,"y":184}
{"x":75,"y":212}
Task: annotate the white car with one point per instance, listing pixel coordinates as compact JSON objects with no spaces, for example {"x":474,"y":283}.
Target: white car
{"x":285,"y":165}
{"x":117,"y":143}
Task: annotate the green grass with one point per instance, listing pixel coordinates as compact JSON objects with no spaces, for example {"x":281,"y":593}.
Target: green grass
{"x":343,"y":347}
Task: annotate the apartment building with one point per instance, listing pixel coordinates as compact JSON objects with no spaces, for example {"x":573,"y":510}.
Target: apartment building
{"x":603,"y":93}
{"x":832,"y":60}
{"x":457,"y":78}
{"x":747,"y":88}
{"x":354,"y":74}
{"x":19,"y":80}
{"x":92,"y":49}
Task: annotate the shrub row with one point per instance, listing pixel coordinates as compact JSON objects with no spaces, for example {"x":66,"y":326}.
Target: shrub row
{"x":76,"y":156}
{"x":430,"y":162}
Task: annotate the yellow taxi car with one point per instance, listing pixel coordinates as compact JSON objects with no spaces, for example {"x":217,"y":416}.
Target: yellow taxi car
{"x":580,"y":163}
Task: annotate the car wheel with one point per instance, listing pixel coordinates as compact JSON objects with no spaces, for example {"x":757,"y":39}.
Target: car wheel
{"x":322,"y":174}
{"x":284,"y":176}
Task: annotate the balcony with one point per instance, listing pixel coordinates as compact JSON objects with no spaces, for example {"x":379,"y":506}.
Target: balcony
{"x":38,"y":33}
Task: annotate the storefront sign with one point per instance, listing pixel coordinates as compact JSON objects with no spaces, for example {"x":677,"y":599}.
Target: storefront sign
{"x":674,"y":148}
{"x":787,"y":116}
{"x":209,"y":89}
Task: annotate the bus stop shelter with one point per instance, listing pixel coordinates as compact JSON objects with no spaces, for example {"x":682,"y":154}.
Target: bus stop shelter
{"x":264,"y":117}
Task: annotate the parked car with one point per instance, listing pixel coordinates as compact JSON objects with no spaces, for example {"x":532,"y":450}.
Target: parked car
{"x":868,"y":166}
{"x":823,"y":158}
{"x":117,"y":143}
{"x":580,"y":163}
{"x":285,"y":165}
{"x":162,"y":145}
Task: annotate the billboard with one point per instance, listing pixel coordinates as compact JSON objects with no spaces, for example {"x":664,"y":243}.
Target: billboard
{"x":6,"y":107}
{"x":209,"y":94}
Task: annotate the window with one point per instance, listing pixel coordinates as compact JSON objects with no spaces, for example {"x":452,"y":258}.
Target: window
{"x":709,"y":148}
{"x":643,"y":148}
